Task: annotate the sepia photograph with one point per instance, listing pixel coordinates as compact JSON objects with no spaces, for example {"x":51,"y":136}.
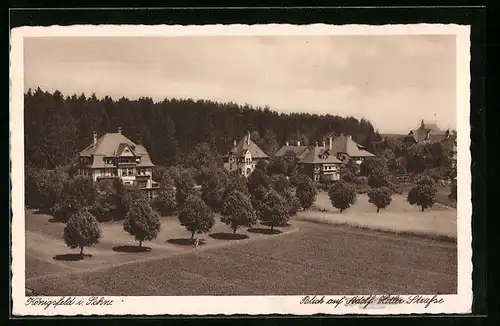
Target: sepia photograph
{"x":329,"y":169}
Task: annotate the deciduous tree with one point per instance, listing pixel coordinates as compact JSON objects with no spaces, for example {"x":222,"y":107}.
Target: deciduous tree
{"x":274,"y":210}
{"x":196,"y":216}
{"x":424,"y":193}
{"x":342,"y":195}
{"x":82,"y":230}
{"x":142,"y":222}
{"x":380,"y":197}
{"x":238,"y":211}
{"x":306,"y":192}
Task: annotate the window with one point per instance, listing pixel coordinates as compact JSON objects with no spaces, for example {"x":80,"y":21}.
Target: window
{"x":316,"y":177}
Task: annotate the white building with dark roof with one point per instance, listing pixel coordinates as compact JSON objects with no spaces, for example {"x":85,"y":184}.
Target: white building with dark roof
{"x":113,"y":155}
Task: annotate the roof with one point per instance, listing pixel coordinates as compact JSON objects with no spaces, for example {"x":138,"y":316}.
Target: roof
{"x":432,"y":127}
{"x":422,"y":134}
{"x":285,"y":149}
{"x":111,"y":144}
{"x":343,"y":144}
{"x":313,"y":155}
{"x":246,"y":143}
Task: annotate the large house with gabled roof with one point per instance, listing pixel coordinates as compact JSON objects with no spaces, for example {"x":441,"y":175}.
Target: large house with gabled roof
{"x":113,"y":155}
{"x":244,"y":156}
{"x":322,"y":163}
{"x":426,"y":132}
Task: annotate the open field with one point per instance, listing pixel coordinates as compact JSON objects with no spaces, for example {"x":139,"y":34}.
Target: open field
{"x":315,"y":259}
{"x":437,"y":221}
{"x":321,"y":257}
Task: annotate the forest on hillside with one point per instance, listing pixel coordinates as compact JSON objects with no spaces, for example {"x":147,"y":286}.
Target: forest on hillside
{"x":57,"y":126}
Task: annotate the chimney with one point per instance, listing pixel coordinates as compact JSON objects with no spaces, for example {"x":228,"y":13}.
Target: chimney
{"x":119,"y":130}
{"x":287,"y":143}
{"x":95,"y":137}
{"x":234,"y":142}
{"x":324,"y":143}
{"x":316,"y":144}
{"x":350,"y":137}
{"x":248,"y":138}
{"x":331,"y":142}
{"x":298,"y":142}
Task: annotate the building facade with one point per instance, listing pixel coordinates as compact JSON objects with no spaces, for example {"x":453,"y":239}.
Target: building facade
{"x":244,"y":156}
{"x":115,"y":156}
{"x":323,"y":162}
{"x":426,"y":132}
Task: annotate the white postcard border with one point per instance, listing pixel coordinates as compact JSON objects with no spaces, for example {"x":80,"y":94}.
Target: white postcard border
{"x":252,"y":305}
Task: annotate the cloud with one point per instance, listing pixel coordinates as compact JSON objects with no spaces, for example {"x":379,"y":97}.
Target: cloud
{"x":406,"y":78}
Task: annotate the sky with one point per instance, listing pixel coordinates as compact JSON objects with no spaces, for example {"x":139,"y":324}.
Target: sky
{"x":394,"y":81}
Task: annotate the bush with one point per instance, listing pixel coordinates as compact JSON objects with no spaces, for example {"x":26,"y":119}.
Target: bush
{"x":274,"y":210}
{"x":237,"y":211}
{"x":279,"y":183}
{"x":306,"y":193}
{"x":213,"y":189}
{"x":79,"y":192}
{"x":81,"y":230}
{"x":342,"y":195}
{"x":142,"y":222}
{"x":293,"y":202}
{"x":165,"y":203}
{"x":196,"y":216}
{"x":424,"y":193}
{"x":184,"y":187}
{"x":380,"y":197}
{"x":378,"y":178}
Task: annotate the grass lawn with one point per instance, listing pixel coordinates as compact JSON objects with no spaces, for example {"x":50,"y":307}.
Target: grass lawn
{"x":399,"y":216}
{"x":317,"y":259}
{"x":44,"y":240}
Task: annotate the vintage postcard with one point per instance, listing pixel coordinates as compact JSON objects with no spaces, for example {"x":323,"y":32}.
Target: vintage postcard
{"x":233,"y":169}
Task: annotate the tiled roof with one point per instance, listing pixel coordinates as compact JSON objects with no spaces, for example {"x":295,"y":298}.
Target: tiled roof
{"x":318,"y":155}
{"x":285,"y":149}
{"x":110,"y":144}
{"x":344,"y":144}
{"x":244,"y":144}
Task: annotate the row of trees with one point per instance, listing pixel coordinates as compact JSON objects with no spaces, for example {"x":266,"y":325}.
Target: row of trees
{"x":57,"y":127}
{"x":343,"y":195}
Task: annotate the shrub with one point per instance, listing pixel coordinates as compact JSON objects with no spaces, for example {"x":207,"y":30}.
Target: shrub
{"x":279,"y":183}
{"x":196,"y":216}
{"x":213,"y":188}
{"x":79,"y":192}
{"x":274,"y":211}
{"x":184,"y":187}
{"x":306,"y":193}
{"x":165,"y":203}
{"x":237,"y":211}
{"x":342,"y":195}
{"x":378,"y":178}
{"x":380,"y":197}
{"x":292,"y":202}
{"x":424,"y":193}
{"x":82,"y":230}
{"x":142,"y":222}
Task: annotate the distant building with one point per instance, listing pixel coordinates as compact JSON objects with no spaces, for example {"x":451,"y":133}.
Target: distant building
{"x":322,"y":163}
{"x":115,"y":156}
{"x":243,"y":156}
{"x":426,"y":132}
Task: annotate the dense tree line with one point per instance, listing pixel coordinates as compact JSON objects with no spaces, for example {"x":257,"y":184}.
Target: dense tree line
{"x":57,"y":127}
